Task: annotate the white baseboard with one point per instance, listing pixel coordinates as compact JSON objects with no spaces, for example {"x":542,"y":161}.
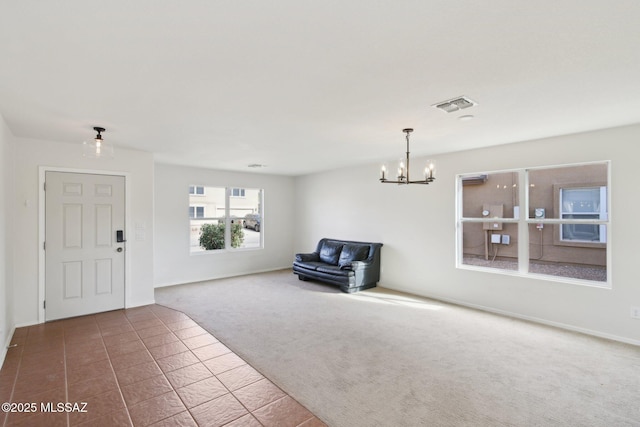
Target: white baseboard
{"x":24,"y":325}
{"x":141,"y":304}
{"x":5,"y":347}
{"x":522,"y":317}
{"x":225,"y":276}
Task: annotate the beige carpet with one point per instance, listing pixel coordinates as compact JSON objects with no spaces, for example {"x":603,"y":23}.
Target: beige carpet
{"x":380,"y":358}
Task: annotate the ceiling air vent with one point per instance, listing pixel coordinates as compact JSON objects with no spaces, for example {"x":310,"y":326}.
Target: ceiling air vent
{"x":455,"y":104}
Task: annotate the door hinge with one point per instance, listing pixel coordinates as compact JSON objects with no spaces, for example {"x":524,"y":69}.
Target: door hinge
{"x":44,"y":186}
{"x":44,"y":246}
{"x":44,"y":304}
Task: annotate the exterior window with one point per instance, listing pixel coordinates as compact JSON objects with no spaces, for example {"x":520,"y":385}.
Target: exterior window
{"x":583,"y":203}
{"x":225,"y":218}
{"x":237,"y":192}
{"x":195,"y":190}
{"x":548,"y":221}
{"x":196,"y":211}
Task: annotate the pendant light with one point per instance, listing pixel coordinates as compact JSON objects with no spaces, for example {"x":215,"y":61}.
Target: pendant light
{"x":99,"y":147}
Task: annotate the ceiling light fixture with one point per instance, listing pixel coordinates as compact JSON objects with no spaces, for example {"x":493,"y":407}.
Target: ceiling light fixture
{"x":403,"y":169}
{"x":98,"y":147}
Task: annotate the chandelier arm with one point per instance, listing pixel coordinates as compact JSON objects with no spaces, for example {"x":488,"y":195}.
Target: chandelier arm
{"x":405,"y":182}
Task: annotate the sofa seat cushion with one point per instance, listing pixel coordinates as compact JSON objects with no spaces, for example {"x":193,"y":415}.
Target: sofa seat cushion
{"x":330,"y":252}
{"x":333,"y":269}
{"x":351,"y":252}
{"x":309,"y":265}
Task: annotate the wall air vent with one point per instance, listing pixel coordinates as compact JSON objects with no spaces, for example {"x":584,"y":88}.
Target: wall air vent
{"x":455,"y":104}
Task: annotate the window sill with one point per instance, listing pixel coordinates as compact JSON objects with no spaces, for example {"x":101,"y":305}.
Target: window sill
{"x":223,"y":251}
{"x":537,"y":276}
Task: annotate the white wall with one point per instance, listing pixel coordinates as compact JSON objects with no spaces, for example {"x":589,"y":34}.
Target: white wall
{"x":6,"y":218}
{"x":417,"y":226}
{"x":30,"y":155}
{"x":173,"y":262}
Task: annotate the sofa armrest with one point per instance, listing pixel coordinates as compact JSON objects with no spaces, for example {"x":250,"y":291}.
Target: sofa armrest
{"x":366,"y":271}
{"x":314,"y":256}
{"x":359,"y":265}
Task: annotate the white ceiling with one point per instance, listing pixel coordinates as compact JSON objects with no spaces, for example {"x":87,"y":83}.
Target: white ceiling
{"x":304,"y":86}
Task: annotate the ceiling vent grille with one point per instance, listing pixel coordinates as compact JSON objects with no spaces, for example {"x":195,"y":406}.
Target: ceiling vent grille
{"x":455,"y":104}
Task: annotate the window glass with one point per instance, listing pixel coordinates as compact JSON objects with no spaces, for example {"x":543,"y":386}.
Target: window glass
{"x":208,"y":217}
{"x":551,"y":259}
{"x":488,"y":248}
{"x":246,"y":214}
{"x":490,"y":195}
{"x":567,"y":221}
{"x":580,"y":184}
{"x":222,"y":219}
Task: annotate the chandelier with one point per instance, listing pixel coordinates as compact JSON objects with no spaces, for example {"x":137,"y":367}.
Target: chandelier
{"x":403,"y":169}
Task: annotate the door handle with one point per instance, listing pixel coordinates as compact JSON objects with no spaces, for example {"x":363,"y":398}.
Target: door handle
{"x":119,"y":249}
{"x":120,"y":236}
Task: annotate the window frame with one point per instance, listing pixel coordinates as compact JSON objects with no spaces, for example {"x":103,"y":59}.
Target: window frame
{"x":228,"y":219}
{"x":524,"y":222}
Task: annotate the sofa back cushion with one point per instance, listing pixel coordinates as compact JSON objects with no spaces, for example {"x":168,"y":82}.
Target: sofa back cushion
{"x":330,"y":252}
{"x":351,"y":252}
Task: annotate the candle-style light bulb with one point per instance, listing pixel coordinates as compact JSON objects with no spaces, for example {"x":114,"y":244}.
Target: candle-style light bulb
{"x":428,"y":170}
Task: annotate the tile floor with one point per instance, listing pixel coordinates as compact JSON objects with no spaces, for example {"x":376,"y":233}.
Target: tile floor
{"x":143,"y":366}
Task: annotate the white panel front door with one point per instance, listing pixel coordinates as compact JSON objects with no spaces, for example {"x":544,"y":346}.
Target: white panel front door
{"x":84,"y":262}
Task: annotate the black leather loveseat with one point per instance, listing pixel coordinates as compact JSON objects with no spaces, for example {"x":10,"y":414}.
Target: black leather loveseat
{"x":353,"y":266}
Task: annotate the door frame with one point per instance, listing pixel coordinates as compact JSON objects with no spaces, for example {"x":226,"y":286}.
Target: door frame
{"x":42,"y":170}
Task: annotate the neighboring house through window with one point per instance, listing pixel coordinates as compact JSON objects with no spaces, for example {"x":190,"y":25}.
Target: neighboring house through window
{"x":583,"y":203}
{"x":549,"y":221}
